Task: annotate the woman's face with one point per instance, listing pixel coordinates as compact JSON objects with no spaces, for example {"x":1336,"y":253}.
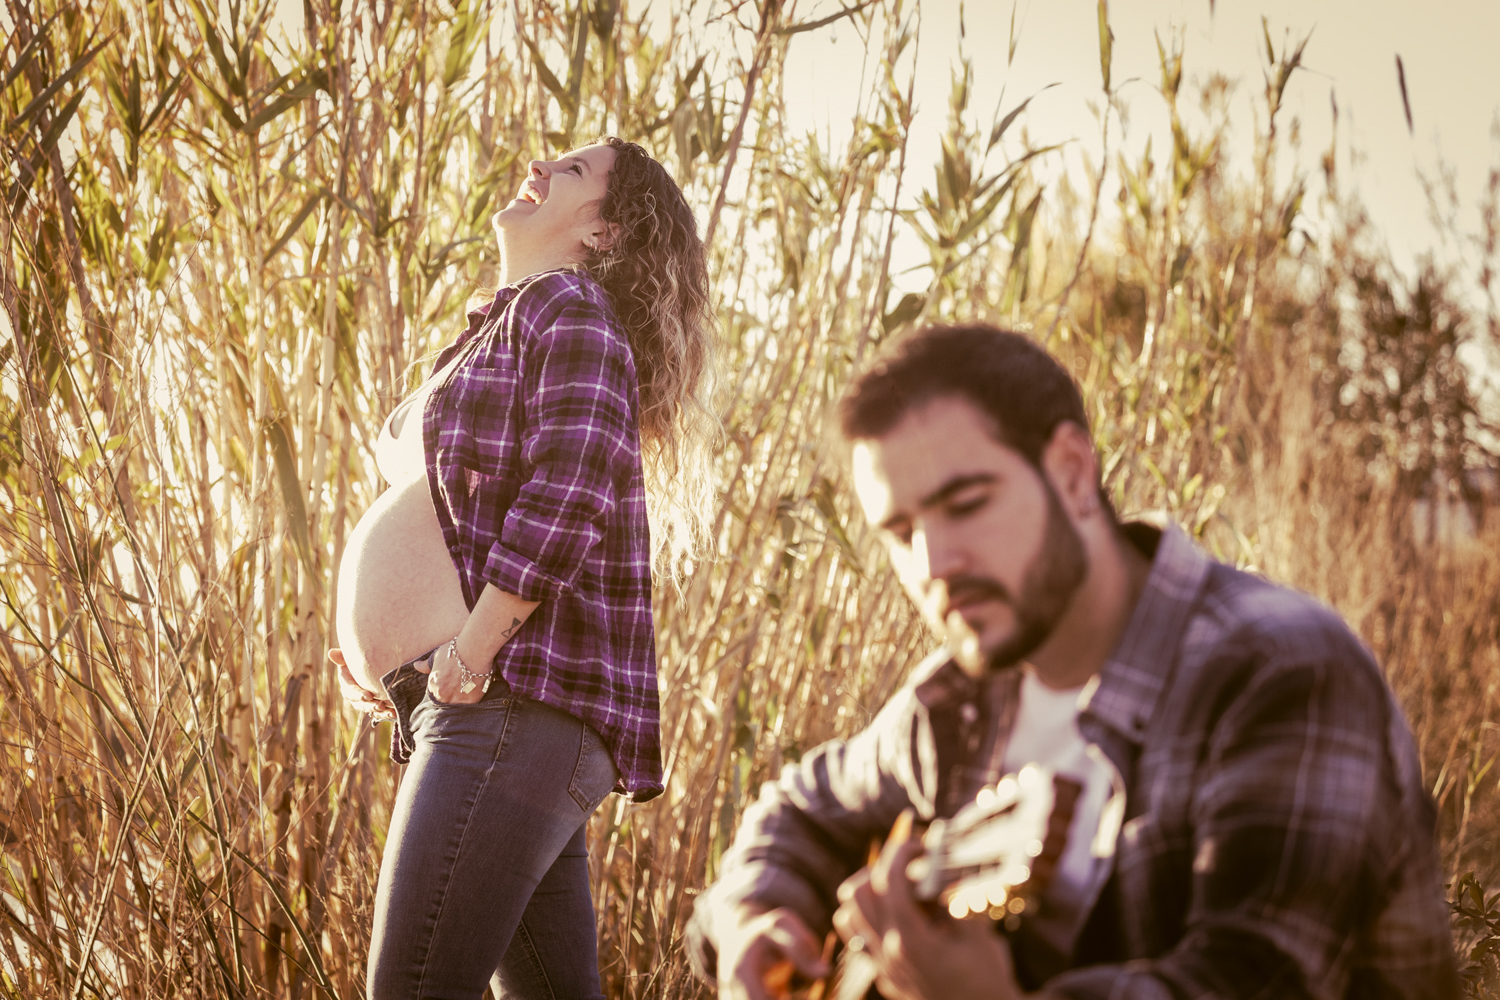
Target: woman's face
{"x":558,"y":204}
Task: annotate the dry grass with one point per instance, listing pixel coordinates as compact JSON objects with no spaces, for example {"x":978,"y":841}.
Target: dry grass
{"x":221,"y":256}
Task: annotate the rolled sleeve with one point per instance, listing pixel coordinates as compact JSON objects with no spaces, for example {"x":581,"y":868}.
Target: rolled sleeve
{"x":577,"y":448}
{"x":813,"y":827}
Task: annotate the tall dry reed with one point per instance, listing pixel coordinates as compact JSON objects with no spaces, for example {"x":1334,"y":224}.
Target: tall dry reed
{"x":223,"y":254}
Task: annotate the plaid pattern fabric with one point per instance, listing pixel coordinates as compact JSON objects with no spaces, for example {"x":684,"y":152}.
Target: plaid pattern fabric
{"x":1273,"y":834}
{"x":533,"y":457}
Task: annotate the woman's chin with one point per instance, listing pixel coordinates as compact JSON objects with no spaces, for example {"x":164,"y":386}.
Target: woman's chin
{"x":515,"y":210}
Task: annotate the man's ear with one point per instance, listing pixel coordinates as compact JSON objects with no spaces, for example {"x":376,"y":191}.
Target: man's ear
{"x":1073,"y":468}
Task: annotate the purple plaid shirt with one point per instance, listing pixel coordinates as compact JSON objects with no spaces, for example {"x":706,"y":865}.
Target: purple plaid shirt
{"x":533,"y":458}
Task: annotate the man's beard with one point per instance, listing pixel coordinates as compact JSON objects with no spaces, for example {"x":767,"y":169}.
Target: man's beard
{"x":1046,"y":592}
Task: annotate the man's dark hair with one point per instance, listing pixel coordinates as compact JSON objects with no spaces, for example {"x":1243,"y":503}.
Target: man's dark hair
{"x":1018,"y":385}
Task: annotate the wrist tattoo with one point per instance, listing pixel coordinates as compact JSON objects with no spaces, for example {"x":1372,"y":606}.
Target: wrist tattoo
{"x":515,"y":623}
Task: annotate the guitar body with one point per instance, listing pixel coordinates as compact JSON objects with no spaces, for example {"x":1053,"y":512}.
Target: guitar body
{"x":992,"y":860}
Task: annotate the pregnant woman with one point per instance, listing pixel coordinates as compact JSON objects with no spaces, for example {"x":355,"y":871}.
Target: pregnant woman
{"x":496,"y":600}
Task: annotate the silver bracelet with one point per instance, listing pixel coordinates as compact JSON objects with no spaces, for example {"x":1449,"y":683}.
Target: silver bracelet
{"x":468,"y":679}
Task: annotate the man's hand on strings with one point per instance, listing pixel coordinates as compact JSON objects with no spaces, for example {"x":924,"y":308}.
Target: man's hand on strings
{"x":920,"y":956}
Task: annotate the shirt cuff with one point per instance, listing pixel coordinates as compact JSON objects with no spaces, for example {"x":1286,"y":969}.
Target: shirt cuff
{"x":515,"y":574}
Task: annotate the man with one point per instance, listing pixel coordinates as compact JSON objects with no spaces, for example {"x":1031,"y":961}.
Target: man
{"x":1252,"y":820}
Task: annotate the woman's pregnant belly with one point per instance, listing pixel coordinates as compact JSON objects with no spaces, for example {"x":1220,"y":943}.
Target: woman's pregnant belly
{"x":399,"y":594}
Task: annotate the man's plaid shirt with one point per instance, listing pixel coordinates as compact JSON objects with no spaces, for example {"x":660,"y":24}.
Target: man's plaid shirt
{"x":533,"y":457}
{"x":1274,"y":837}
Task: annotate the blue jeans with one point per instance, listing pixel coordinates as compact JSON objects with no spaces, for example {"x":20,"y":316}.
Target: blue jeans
{"x":485,"y":880}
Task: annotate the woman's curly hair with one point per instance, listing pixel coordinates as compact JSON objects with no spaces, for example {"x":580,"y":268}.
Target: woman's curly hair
{"x":655,"y":269}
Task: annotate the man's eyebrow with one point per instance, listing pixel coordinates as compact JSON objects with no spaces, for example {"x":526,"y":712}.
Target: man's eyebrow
{"x":954,"y":485}
{"x":941,"y":495}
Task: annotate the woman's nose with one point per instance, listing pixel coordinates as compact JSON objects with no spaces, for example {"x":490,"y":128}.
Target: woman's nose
{"x":537,"y":168}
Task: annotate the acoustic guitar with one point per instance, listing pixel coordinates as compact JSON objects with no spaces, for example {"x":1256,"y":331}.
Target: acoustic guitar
{"x":991,"y":860}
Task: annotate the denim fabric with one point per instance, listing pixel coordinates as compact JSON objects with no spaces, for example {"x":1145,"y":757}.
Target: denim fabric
{"x":484,"y":880}
{"x":404,"y":688}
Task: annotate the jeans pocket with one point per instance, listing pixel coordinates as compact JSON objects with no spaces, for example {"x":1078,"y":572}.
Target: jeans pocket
{"x":498,"y":690}
{"x":404,"y":687}
{"x":594,"y":775}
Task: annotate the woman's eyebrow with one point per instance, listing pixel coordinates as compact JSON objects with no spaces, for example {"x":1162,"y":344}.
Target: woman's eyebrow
{"x":579,"y":159}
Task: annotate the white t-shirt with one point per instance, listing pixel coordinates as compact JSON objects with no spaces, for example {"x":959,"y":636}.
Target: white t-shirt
{"x":1046,"y":733}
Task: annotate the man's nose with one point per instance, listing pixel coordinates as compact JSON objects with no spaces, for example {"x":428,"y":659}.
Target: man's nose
{"x":939,"y":553}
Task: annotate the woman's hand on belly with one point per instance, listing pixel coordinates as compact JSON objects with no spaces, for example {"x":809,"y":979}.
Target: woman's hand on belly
{"x":362,"y":699}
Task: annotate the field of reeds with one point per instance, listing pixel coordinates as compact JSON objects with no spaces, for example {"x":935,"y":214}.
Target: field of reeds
{"x":227,"y":238}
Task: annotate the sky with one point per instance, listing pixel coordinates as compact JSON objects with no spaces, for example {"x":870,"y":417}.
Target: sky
{"x":1447,"y":48}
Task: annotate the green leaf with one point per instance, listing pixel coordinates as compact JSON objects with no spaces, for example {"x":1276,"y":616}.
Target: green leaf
{"x":548,"y":80}
{"x":575,"y":69}
{"x":306,"y":87}
{"x":286,"y":234}
{"x":822,"y":497}
{"x":219,"y":101}
{"x":1179,"y":266}
{"x":1292,"y":208}
{"x":1106,"y":43}
{"x":215,"y":45}
{"x":462,"y":42}
{"x":23,"y":58}
{"x":999,"y":130}
{"x":1156,"y":473}
{"x":1017,"y":273}
{"x":908,"y":309}
{"x":979,"y":217}
{"x":484,"y":189}
{"x":685,"y":85}
{"x":683,"y":120}
{"x":55,"y":130}
{"x":161,"y":102}
{"x":133,"y":100}
{"x":40,"y":101}
{"x":157,"y":257}
{"x":291,"y":491}
{"x":950,"y":190}
{"x":602,"y":18}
